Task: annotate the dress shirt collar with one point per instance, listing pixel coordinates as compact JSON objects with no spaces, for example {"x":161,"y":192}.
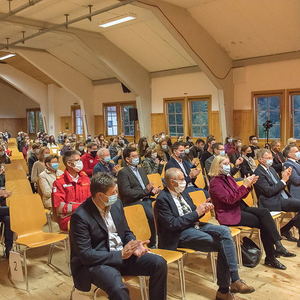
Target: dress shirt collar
{"x":173,"y":193}
{"x":293,"y":160}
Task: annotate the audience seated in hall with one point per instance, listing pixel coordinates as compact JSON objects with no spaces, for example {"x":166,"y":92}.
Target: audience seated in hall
{"x":178,"y":226}
{"x":227,"y":197}
{"x":248,"y":166}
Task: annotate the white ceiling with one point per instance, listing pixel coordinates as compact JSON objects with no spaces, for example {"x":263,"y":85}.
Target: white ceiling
{"x":249,"y":28}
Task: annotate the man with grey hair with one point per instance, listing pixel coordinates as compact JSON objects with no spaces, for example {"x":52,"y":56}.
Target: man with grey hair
{"x":178,"y":226}
{"x":272,"y":194}
{"x":103,"y":249}
{"x":106,"y":164}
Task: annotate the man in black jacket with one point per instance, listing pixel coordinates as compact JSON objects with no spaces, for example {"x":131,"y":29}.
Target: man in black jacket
{"x":134,"y":187}
{"x":271,"y":193}
{"x":103,"y":249}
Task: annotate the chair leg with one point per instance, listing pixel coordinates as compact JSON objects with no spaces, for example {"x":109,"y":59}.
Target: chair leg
{"x":181,"y":278}
{"x":49,"y":222}
{"x":50,"y":255}
{"x":67,"y":254}
{"x":213,"y":266}
{"x":25,"y":269}
{"x":143,"y":288}
{"x":238,"y":250}
{"x":95,"y":293}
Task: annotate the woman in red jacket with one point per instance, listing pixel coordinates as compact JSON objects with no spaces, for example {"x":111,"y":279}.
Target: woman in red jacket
{"x":227,"y":197}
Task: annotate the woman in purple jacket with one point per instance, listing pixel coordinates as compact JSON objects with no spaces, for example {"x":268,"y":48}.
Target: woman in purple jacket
{"x":227,"y":197}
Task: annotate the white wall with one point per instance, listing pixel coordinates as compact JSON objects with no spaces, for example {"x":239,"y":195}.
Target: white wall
{"x":64,"y":100}
{"x":14,"y":103}
{"x":262,"y":77}
{"x":181,"y":85}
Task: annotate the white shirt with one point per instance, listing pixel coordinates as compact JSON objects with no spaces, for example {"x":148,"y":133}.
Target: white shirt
{"x":75,"y":179}
{"x":178,"y":205}
{"x":115,"y":242}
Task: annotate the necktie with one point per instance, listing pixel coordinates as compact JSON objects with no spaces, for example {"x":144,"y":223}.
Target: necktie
{"x":185,"y":208}
{"x":283,"y":193}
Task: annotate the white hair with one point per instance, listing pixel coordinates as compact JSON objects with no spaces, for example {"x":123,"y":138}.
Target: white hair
{"x":101,"y":151}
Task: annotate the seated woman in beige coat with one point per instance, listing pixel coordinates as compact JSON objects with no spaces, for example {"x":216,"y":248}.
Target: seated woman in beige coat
{"x":47,"y":177}
{"x":39,"y":166}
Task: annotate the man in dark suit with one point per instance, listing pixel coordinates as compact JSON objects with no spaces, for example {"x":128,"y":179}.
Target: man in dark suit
{"x":134,"y":187}
{"x":105,"y":163}
{"x":278,"y":158}
{"x":103,"y":249}
{"x":177,"y":161}
{"x":271,"y":193}
{"x":178,"y":226}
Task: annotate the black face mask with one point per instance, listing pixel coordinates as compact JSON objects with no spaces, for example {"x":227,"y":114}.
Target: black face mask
{"x":249,"y":154}
{"x":94,"y":153}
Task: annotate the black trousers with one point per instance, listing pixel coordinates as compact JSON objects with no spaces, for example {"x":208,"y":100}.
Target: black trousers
{"x":261,"y":218}
{"x":109,"y":279}
{"x":291,"y":205}
{"x":147,"y":204}
{"x":8,"y":234}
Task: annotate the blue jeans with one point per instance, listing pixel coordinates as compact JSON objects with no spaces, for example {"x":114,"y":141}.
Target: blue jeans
{"x":216,"y":238}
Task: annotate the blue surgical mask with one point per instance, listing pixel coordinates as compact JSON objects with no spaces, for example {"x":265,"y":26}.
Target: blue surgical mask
{"x":297,"y":154}
{"x":226,"y":169}
{"x":135,"y":161}
{"x":187,"y":151}
{"x":269,"y":162}
{"x":222,"y":152}
{"x":111,"y":200}
{"x":107,"y":159}
{"x":55,"y":166}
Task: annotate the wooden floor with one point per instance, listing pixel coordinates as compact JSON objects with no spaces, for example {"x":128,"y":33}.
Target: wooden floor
{"x":47,"y":284}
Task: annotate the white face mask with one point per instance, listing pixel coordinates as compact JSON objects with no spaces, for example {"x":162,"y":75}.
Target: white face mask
{"x":154,"y":155}
{"x":78,"y":165}
{"x":225,"y":169}
{"x":181,"y":186}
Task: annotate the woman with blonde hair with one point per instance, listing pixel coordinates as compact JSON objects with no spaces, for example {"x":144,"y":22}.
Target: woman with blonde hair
{"x":227,"y":197}
{"x":39,"y":166}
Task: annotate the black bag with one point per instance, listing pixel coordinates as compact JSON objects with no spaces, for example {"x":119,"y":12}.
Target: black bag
{"x":251,"y":254}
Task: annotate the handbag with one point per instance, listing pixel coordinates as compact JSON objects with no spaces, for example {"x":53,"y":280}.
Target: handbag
{"x":251,"y":253}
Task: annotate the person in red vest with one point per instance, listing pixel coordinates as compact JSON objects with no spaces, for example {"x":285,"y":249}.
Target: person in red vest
{"x":70,"y":189}
{"x":90,"y":159}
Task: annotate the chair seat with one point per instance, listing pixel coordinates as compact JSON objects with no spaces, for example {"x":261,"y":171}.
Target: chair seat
{"x":40,"y":239}
{"x":246,"y":228}
{"x":234,"y":231}
{"x":186,"y":250}
{"x":169,"y":255}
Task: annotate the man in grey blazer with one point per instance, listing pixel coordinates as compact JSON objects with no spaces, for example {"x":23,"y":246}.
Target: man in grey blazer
{"x":134,"y":187}
{"x":271,"y":192}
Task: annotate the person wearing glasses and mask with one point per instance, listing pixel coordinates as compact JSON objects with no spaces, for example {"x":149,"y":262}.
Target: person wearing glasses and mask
{"x":70,"y":189}
{"x":47,"y":178}
{"x":106,"y":164}
{"x":103,"y":249}
{"x":135,"y":188}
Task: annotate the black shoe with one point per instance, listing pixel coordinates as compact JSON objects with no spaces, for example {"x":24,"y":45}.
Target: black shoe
{"x":288,"y":235}
{"x":274,"y":263}
{"x":281,"y":251}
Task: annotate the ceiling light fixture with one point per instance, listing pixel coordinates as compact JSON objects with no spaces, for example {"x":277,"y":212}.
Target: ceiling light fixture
{"x":7,"y":56}
{"x":118,"y":20}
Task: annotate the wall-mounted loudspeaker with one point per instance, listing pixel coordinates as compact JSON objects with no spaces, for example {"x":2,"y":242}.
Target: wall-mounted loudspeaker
{"x":133,"y":115}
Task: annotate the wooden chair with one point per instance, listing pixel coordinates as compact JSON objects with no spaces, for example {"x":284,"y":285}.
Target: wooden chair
{"x":156,"y":180}
{"x":138,"y":223}
{"x":27,"y":217}
{"x":200,"y":181}
{"x":198,"y":198}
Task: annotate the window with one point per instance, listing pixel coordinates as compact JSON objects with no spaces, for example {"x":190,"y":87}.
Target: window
{"x":116,"y":118}
{"x":128,"y":126}
{"x":199,"y":118}
{"x":295,"y":102}
{"x":77,"y":119}
{"x":35,"y":121}
{"x":268,"y":107}
{"x":175,"y":118}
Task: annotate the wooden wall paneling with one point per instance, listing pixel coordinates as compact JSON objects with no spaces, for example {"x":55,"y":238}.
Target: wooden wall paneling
{"x":13,"y":125}
{"x":66,"y":124}
{"x":215,"y":128}
{"x":99,"y":125}
{"x":243,"y":124}
{"x":158,"y":123}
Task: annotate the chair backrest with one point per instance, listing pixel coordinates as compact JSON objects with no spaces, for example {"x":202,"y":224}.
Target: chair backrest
{"x":198,"y":198}
{"x":163,"y":172}
{"x":137,"y":221}
{"x":200,"y":181}
{"x":18,"y":187}
{"x":156,"y":180}
{"x":249,"y":199}
{"x":27,"y":214}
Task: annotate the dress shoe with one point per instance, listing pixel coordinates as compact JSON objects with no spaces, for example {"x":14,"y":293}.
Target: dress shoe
{"x":227,"y":296}
{"x":281,"y":251}
{"x":288,"y":235}
{"x":274,"y":263}
{"x":242,"y":287}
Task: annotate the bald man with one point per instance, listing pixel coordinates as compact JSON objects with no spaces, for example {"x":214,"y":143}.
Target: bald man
{"x":106,"y":164}
{"x":178,"y":226}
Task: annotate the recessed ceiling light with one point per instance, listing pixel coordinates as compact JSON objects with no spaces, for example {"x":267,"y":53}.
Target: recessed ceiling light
{"x":7,"y":56}
{"x":118,"y":20}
